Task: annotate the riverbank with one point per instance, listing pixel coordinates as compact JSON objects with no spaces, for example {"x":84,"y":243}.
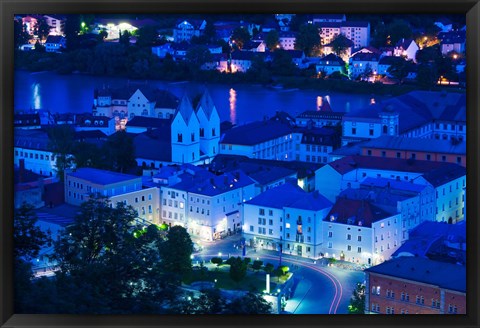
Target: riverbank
{"x":180,"y":72}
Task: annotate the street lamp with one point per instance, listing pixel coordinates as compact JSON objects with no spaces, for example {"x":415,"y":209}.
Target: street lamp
{"x":219,"y":254}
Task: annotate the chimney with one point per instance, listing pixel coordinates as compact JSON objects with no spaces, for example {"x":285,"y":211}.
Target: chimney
{"x":21,"y":173}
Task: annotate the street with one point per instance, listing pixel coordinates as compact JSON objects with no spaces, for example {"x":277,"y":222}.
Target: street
{"x":319,"y":289}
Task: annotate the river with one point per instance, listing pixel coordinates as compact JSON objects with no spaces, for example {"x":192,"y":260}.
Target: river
{"x":239,"y":103}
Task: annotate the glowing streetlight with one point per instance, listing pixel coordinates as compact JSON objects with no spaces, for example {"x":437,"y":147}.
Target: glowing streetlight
{"x":219,"y":254}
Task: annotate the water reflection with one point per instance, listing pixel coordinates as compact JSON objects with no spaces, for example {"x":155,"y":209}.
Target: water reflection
{"x":233,"y":105}
{"x":37,"y":98}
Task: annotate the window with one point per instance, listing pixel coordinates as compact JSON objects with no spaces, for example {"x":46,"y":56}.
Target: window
{"x":193,"y":136}
{"x":359,"y":238}
{"x":349,"y":248}
{"x":354,"y":130}
{"x":384,"y":153}
{"x":369,"y":152}
{"x":251,"y":228}
{"x":359,"y":250}
{"x":202,"y":132}
{"x":261,"y":211}
{"x":270,"y":212}
{"x":349,"y":237}
{"x":179,"y":137}
{"x":330,"y":234}
{"x":399,"y":155}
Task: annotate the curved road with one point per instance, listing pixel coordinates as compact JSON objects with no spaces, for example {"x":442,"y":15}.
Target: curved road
{"x":321,"y":289}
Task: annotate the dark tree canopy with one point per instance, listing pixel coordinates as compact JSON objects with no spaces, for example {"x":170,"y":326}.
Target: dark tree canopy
{"x":272,"y":40}
{"x":240,"y":37}
{"x":176,"y":252}
{"x":308,"y":39}
{"x":249,"y":304}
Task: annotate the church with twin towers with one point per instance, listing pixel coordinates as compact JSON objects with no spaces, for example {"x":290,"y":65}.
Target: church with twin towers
{"x":195,"y":134}
{"x":167,"y":129}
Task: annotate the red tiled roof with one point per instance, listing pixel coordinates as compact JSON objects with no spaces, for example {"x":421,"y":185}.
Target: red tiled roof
{"x":360,"y":212}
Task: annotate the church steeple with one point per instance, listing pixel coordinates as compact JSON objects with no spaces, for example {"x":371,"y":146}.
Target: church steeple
{"x":206,"y":103}
{"x":185,"y":109}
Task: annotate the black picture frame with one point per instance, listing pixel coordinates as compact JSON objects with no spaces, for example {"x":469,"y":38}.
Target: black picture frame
{"x":471,"y":8}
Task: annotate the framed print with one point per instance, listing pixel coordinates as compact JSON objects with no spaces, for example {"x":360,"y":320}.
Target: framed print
{"x":211,"y":163}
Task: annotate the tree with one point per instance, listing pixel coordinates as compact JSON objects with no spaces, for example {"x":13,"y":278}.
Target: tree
{"x":249,"y":304}
{"x":340,"y":45}
{"x":399,"y":69}
{"x":176,"y":252}
{"x":106,"y":267}
{"x":238,"y":269}
{"x":282,"y":63}
{"x":210,"y":301}
{"x":147,"y":35}
{"x":257,"y":265}
{"x":272,"y":40}
{"x":426,"y":76}
{"x":28,"y":238}
{"x":61,"y":142}
{"x":210,"y":33}
{"x":357,"y":302}
{"x":218,"y":261}
{"x":269,"y":268}
{"x":72,"y":30}
{"x":398,"y":29}
{"x":42,"y":29}
{"x":20,"y":34}
{"x":198,"y":55}
{"x":124,"y":38}
{"x":119,"y":152}
{"x":308,"y":39}
{"x":240,"y":36}
{"x":87,"y":155}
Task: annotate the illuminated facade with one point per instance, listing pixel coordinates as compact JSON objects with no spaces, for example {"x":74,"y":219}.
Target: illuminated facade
{"x":205,"y":204}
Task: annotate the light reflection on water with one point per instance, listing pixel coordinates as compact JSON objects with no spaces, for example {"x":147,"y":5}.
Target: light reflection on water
{"x":233,"y":105}
{"x":37,"y":96}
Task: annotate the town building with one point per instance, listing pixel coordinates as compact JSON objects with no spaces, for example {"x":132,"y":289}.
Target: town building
{"x":361,"y":232}
{"x":57,"y":24}
{"x":364,"y":65}
{"x":406,"y":48}
{"x":357,"y":32}
{"x":32,"y":146}
{"x":418,"y":114}
{"x":322,"y":116}
{"x":55,"y":43}
{"x":437,"y":241}
{"x":287,"y":40}
{"x":185,"y":30}
{"x":269,"y":173}
{"x":189,"y":136}
{"x":208,"y":206}
{"x":416,"y":285}
{"x":133,"y":100}
{"x":351,"y":171}
{"x":328,"y":18}
{"x":83,"y":183}
{"x":449,"y":182}
{"x":286,"y":219}
{"x":330,"y":64}
{"x":316,"y":144}
{"x":414,"y":202}
{"x":452,"y":41}
{"x":416,"y":148}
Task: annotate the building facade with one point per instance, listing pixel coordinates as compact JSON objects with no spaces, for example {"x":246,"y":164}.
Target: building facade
{"x":415,"y":285}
